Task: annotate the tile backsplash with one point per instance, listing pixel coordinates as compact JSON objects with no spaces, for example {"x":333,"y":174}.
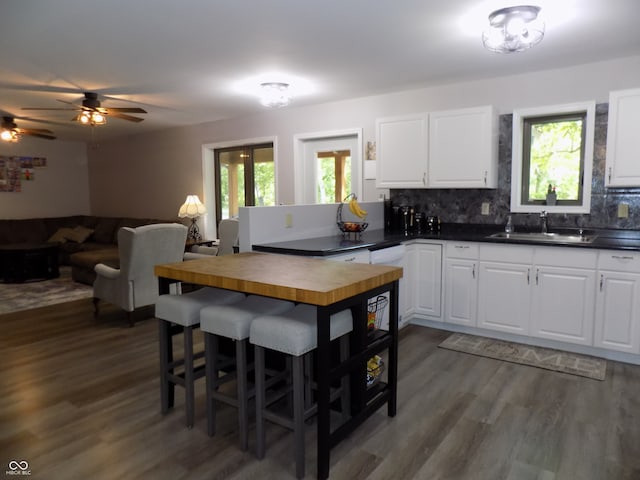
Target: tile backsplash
{"x":464,"y":205}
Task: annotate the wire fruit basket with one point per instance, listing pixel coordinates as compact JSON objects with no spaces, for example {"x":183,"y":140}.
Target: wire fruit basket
{"x":375,"y":311}
{"x":349,"y":227}
{"x":375,"y":368}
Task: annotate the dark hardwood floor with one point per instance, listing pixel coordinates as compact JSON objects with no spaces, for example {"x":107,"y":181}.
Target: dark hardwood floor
{"x":79,"y":399}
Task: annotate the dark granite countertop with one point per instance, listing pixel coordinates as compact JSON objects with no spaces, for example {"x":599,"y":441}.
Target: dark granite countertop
{"x":376,"y":239}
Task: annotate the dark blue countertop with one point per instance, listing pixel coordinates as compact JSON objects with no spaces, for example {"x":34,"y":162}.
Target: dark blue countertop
{"x":376,"y":239}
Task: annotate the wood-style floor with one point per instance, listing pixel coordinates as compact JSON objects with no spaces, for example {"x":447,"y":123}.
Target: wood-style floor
{"x":80,"y":399}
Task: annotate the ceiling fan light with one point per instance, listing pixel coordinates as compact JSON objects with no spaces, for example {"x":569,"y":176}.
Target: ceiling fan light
{"x":275,"y":94}
{"x":9,"y":135}
{"x":98,"y":119}
{"x":513,"y":29}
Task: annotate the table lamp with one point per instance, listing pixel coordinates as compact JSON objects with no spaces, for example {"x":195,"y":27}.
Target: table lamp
{"x":192,"y":208}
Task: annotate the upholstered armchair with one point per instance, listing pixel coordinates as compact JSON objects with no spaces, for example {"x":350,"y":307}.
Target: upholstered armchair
{"x":228,"y":232}
{"x":134,"y":284}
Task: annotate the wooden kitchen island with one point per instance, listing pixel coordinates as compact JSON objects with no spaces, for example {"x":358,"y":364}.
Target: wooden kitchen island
{"x":332,"y":287}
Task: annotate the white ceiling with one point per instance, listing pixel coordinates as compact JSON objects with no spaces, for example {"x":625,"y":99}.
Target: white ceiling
{"x":182,"y":61}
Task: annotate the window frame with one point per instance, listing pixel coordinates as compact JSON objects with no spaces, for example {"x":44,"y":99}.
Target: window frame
{"x":520,"y":117}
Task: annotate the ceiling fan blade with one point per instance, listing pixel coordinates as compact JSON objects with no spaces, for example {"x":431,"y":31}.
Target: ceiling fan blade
{"x":40,"y":108}
{"x":64,"y":101}
{"x":34,"y":134}
{"x":43,"y":131}
{"x":125,"y":109}
{"x":125,"y":117}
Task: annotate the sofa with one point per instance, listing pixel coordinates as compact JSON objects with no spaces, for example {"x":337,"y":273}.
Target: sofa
{"x":84,"y":240}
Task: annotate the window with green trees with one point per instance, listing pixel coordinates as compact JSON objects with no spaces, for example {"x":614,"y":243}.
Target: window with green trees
{"x":552,"y":158}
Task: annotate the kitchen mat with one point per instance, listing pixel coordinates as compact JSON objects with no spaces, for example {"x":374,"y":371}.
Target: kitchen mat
{"x":547,"y":358}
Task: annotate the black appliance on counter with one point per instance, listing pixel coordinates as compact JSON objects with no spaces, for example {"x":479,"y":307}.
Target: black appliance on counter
{"x":406,"y":220}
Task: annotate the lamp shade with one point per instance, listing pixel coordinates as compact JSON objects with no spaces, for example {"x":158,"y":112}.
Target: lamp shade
{"x":192,"y":207}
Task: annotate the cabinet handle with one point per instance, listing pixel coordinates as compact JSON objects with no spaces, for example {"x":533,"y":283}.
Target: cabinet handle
{"x":351,"y":259}
{"x":473,"y":271}
{"x":537,"y":273}
{"x":601,"y":281}
{"x":485,"y":178}
{"x":528,"y":276}
{"x":424,"y":178}
{"x":622,"y":257}
{"x":461,"y":246}
{"x":609,"y":174}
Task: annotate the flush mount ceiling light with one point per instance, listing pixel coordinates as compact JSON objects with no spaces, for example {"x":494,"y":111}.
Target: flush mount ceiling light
{"x":275,"y":94}
{"x":513,"y":29}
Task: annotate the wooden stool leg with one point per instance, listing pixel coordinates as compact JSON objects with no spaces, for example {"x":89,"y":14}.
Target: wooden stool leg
{"x":260,"y":401}
{"x":166,"y":356}
{"x":189,"y":377}
{"x":211,"y":373}
{"x":243,"y":401}
{"x":298,"y":413}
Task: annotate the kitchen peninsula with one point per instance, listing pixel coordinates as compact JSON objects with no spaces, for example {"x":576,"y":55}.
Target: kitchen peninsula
{"x":332,"y":287}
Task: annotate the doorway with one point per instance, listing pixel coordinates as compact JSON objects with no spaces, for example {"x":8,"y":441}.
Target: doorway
{"x":327,"y":166}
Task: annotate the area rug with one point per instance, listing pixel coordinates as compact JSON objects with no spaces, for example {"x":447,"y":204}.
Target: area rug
{"x":23,"y":296}
{"x":550,"y":359}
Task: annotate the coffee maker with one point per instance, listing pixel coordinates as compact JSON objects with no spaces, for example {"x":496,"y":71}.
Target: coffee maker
{"x":399,"y":218}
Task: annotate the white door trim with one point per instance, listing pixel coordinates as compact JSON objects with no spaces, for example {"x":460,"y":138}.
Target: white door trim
{"x":299,"y":170}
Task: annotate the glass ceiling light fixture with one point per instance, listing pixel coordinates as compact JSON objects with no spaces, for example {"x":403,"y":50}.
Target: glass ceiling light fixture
{"x":275,"y":94}
{"x":91,"y":118}
{"x":192,"y":208}
{"x":513,"y":29}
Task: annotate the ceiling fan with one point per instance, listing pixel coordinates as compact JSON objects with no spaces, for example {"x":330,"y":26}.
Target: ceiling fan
{"x":9,"y":131}
{"x":92,"y":113}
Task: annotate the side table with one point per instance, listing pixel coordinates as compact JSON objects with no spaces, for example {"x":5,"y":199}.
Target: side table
{"x":28,"y":261}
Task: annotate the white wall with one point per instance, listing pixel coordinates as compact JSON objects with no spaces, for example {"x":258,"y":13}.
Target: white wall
{"x":150,"y":175}
{"x":59,"y":189}
{"x":268,"y":224}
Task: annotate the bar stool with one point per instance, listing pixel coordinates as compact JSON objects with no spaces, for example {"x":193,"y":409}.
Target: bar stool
{"x":181,"y":314}
{"x":293,"y":333}
{"x":233,"y":322}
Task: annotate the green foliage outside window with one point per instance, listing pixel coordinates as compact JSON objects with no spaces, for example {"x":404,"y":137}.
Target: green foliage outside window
{"x":326,"y":185}
{"x":555,"y":158}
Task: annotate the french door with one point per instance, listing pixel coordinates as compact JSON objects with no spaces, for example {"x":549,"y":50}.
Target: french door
{"x":244,"y":177}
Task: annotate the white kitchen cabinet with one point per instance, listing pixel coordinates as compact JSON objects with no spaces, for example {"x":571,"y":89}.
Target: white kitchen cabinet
{"x":402,"y":154}
{"x":563,"y":295}
{"x":461,"y":283}
{"x":623,"y":141}
{"x":505,"y":288}
{"x":463,"y":148}
{"x":617,"y":320}
{"x":425,"y":259}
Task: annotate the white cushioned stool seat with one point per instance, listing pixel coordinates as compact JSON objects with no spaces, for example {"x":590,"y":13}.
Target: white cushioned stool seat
{"x":185,"y":309}
{"x":295,"y":334}
{"x":181,"y":314}
{"x":233,"y":322}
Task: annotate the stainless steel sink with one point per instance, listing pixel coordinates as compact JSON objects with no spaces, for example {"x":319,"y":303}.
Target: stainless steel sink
{"x":544,"y":237}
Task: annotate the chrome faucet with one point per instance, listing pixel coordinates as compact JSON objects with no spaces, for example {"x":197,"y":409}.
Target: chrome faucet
{"x":543,"y":220}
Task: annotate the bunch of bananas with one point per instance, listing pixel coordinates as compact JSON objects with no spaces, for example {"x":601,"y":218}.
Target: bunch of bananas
{"x":355,"y":207}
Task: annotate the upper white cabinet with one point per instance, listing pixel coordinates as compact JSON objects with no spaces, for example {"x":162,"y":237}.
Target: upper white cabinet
{"x":463,"y":148}
{"x":402,"y":151}
{"x":448,"y":149}
{"x":623,"y":141}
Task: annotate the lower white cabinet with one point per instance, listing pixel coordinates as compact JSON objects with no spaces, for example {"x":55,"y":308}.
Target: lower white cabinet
{"x":617,"y":319}
{"x":461,"y":283}
{"x":562,"y":304}
{"x":505,"y":288}
{"x":424,"y":293}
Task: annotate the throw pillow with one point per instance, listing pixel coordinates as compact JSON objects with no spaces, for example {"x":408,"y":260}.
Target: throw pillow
{"x":79,"y":234}
{"x":61,"y":235}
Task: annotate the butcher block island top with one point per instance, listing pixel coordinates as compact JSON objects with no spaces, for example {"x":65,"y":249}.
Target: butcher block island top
{"x":288,"y":277}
